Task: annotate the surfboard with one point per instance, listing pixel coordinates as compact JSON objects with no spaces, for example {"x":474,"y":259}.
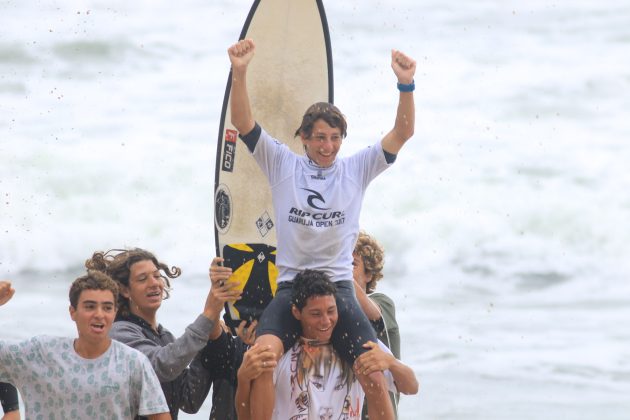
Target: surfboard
{"x":291,"y":70}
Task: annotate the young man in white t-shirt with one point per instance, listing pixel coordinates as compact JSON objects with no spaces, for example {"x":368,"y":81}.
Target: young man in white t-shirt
{"x":311,"y":381}
{"x":91,"y":376}
{"x":317,"y":202}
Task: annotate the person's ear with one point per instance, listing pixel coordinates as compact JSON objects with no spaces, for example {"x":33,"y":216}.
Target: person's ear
{"x":72,"y":312}
{"x":124,"y":291}
{"x":296,"y":312}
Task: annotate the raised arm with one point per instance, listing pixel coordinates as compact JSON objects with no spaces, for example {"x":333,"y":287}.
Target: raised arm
{"x":404,"y":68}
{"x":169,"y":361}
{"x":196,"y":381}
{"x":221,"y":291}
{"x":371,"y":309}
{"x":240,"y":55}
{"x":378,"y":359}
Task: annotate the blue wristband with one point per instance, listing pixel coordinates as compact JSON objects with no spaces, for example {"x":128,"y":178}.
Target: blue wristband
{"x":407,"y":88}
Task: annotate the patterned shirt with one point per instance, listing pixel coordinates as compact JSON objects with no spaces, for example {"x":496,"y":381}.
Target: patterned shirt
{"x":56,"y":383}
{"x":314,"y":383}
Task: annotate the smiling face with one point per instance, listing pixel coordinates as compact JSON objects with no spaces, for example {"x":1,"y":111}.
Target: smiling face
{"x":318,"y":317}
{"x":323,"y":144}
{"x":146,"y":289}
{"x":94,"y":314}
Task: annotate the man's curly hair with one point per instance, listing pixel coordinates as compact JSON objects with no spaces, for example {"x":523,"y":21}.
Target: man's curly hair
{"x":372,"y":254}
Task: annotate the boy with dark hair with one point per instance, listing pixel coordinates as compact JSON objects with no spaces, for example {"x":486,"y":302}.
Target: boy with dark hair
{"x":311,"y":380}
{"x":310,"y":188}
{"x":85,"y":377}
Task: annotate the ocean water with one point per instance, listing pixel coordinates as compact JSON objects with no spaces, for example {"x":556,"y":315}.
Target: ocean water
{"x":505,"y":218}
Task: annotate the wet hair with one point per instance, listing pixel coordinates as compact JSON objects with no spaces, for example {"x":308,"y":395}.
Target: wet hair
{"x":93,"y":280}
{"x":322,"y":111}
{"x":117,"y":264}
{"x":309,"y":283}
{"x":372,"y":254}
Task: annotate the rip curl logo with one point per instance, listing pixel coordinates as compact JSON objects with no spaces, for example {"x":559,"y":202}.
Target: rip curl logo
{"x":324,"y":219}
{"x":313,"y":197}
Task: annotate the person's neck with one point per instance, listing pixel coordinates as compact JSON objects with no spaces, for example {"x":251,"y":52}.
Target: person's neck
{"x":317,"y":164}
{"x":149,"y":316}
{"x":314,"y":342}
{"x":91,"y":349}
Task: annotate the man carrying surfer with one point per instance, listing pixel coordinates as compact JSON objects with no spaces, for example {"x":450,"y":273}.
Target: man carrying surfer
{"x":312,"y":380}
{"x":305,"y":188}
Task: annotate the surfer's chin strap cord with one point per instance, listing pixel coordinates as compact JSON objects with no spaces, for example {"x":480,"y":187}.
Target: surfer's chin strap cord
{"x":407,"y":87}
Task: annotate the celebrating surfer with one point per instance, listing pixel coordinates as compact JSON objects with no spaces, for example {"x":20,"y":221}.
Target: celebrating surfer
{"x":313,"y":185}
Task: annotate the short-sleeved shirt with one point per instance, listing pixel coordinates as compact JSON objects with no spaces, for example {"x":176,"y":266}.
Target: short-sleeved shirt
{"x":316,"y":209}
{"x":315,"y":383}
{"x":55,"y":382}
{"x":390,"y":334}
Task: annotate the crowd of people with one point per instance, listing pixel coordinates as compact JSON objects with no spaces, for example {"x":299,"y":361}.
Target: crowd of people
{"x":327,"y":345}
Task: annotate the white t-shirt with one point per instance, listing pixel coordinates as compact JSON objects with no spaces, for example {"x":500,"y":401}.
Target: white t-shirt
{"x":55,"y":382}
{"x":316,"y":209}
{"x":314,"y":383}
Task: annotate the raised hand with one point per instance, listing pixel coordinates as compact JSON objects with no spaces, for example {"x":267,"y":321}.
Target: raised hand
{"x":404,"y":67}
{"x":219,"y":273}
{"x":222,"y":289}
{"x":6,"y":292}
{"x":241,"y":53}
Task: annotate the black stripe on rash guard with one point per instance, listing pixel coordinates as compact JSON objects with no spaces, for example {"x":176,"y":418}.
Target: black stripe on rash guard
{"x":252,"y":137}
